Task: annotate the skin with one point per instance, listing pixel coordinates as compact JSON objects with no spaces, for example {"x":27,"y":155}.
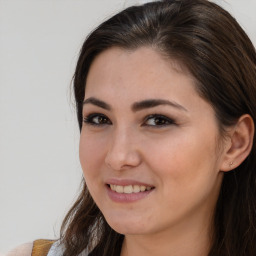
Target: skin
{"x":181,"y":158}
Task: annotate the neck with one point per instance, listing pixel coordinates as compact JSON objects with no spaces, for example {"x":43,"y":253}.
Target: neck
{"x":186,"y":239}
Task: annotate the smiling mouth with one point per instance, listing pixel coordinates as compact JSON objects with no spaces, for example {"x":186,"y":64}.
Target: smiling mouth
{"x":129,"y":189}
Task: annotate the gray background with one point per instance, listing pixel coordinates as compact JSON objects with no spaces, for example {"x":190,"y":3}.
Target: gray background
{"x":39,"y":168}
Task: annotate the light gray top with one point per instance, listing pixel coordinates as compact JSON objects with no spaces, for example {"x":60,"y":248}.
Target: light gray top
{"x":26,"y":250}
{"x":57,"y":250}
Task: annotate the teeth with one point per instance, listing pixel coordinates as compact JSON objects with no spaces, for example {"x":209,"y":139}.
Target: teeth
{"x":136,"y":188}
{"x":119,"y":189}
{"x":142,"y":188}
{"x":129,"y":189}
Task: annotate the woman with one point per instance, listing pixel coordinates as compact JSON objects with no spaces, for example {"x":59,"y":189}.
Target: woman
{"x":166,"y":104}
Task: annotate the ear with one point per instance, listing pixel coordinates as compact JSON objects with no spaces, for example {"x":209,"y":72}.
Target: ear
{"x":240,"y":144}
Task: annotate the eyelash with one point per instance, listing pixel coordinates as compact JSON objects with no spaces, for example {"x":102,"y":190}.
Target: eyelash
{"x":89,"y":119}
{"x":104,"y":120}
{"x":164,"y":121}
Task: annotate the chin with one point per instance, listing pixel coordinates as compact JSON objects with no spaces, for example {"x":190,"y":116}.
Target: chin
{"x":126,"y":230}
{"x":130,"y":226}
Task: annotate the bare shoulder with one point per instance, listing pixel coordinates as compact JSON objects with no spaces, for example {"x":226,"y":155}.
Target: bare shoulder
{"x":22,"y":250}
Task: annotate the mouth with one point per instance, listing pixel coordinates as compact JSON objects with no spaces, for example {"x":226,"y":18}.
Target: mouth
{"x":129,"y":189}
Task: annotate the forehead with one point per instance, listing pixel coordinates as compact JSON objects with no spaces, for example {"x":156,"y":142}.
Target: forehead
{"x":146,"y":52}
{"x":145,"y":67}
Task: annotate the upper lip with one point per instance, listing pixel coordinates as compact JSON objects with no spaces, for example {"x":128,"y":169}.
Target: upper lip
{"x":127,"y":182}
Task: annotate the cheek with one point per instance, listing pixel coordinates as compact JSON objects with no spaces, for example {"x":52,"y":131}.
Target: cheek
{"x":91,"y":154}
{"x":186,"y":172}
{"x":183,"y":160}
{"x":91,"y":158}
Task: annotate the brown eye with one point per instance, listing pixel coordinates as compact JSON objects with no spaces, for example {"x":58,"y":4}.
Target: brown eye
{"x":97,"y":119}
{"x":158,"y":120}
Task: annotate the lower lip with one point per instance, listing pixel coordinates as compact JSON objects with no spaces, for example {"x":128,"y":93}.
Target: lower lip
{"x":127,"y":198}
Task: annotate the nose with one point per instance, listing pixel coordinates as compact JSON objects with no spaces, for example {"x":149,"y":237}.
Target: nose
{"x":123,"y":150}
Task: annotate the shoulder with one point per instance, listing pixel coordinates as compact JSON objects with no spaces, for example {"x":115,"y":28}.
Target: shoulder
{"x":41,"y":247}
{"x":38,"y":247}
{"x":22,"y":250}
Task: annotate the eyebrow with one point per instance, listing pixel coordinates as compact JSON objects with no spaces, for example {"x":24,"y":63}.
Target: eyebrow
{"x":97,"y":102}
{"x":150,"y":103}
{"x":137,"y":106}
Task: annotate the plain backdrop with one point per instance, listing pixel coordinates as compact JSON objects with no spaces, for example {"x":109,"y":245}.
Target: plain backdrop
{"x":39,"y":168}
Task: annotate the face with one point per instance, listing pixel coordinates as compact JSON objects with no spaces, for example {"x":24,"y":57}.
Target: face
{"x":150,"y":145}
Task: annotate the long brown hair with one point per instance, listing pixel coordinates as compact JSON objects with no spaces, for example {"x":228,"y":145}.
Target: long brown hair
{"x":209,"y":42}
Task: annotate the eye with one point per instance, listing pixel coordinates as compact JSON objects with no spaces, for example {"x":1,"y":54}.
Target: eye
{"x":157,"y":120}
{"x":97,"y":119}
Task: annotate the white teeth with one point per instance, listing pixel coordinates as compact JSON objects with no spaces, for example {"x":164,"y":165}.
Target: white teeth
{"x":119,"y":189}
{"x":142,"y":188}
{"x":136,"y":188}
{"x":129,"y":189}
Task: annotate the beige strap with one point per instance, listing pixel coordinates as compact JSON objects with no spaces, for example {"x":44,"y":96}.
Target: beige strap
{"x":41,"y":247}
